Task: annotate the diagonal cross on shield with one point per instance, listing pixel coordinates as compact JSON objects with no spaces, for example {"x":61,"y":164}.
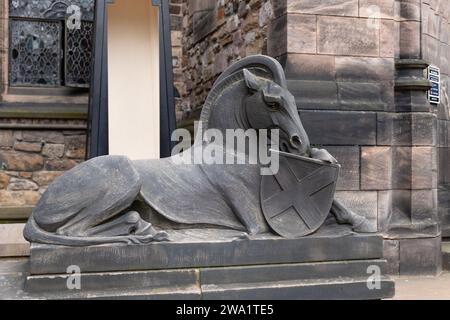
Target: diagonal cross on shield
{"x":297,"y":199}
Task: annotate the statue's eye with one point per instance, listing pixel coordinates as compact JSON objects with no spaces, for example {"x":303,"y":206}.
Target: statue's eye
{"x":274,"y":106}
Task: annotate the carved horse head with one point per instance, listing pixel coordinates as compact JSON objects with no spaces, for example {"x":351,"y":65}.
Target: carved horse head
{"x":253,"y":94}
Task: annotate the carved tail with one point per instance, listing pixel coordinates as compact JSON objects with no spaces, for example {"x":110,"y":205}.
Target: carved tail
{"x":33,"y":233}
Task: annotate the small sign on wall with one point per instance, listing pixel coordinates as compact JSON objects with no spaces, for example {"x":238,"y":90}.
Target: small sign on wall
{"x":434,"y":75}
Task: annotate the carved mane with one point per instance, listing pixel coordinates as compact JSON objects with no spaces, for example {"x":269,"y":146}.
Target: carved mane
{"x":262,"y":66}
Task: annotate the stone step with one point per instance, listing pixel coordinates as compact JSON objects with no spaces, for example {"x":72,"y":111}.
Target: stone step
{"x":290,"y":272}
{"x":14,"y":266}
{"x":12,"y":288}
{"x":141,"y":280}
{"x":321,"y":289}
{"x":183,"y":293}
{"x":156,"y":279}
{"x":172,"y":293}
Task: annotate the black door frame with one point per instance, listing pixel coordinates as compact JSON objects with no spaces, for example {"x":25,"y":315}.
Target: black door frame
{"x":98,"y":100}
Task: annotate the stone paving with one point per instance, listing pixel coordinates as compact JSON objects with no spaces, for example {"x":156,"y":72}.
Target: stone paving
{"x":423,"y":288}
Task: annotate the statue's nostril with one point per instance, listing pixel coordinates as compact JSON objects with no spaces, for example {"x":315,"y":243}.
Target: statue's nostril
{"x":296,"y":141}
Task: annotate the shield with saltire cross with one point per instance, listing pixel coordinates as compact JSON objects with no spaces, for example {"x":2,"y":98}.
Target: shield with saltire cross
{"x":297,"y":198}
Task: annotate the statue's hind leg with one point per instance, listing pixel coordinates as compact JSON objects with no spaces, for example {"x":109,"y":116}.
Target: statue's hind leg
{"x":129,"y":224}
{"x":90,"y":205}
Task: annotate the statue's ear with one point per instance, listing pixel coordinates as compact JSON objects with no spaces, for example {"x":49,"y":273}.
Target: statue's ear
{"x":251,"y":81}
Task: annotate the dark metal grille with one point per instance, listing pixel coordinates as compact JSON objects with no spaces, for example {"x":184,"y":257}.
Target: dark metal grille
{"x":78,"y":57}
{"x":50,"y":9}
{"x":35,"y":53}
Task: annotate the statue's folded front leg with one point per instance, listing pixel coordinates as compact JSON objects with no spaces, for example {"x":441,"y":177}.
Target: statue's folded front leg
{"x":342,"y":214}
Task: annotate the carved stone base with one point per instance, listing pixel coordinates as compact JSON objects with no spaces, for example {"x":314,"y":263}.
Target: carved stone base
{"x":321,"y":266}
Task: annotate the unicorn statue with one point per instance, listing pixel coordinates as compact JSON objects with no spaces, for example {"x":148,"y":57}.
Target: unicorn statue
{"x":112,"y":199}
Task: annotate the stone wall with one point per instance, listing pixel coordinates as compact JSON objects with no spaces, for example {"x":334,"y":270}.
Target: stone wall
{"x":31,"y":159}
{"x":215,"y":34}
{"x":177,"y":9}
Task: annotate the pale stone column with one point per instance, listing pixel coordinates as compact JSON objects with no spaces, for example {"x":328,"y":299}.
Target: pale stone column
{"x":133,"y":79}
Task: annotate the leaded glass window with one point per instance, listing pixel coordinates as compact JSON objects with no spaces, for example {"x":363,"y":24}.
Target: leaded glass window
{"x":35,"y":53}
{"x":78,"y":55}
{"x":43,"y":50}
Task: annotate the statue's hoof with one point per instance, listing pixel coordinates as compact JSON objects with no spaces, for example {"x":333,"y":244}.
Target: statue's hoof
{"x":362,"y":225}
{"x":157,"y":236}
{"x":140,"y":239}
{"x":161,"y":236}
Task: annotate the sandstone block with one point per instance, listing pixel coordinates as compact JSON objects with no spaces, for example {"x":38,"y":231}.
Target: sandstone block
{"x":424,"y":168}
{"x":21,"y":185}
{"x":340,"y":128}
{"x":364,"y":69}
{"x":44,"y":178}
{"x":43,"y":136}
{"x":6,"y":138}
{"x":369,"y":96}
{"x":324,"y":7}
{"x":18,"y":198}
{"x":309,"y":67}
{"x":301,"y":33}
{"x":4,"y":180}
{"x":376,"y":168}
{"x":389,"y":38}
{"x":349,"y":159}
{"x":28,"y":146}
{"x":406,"y":129}
{"x":53,"y":150}
{"x":347,"y":36}
{"x":314,"y":95}
{"x":381,"y":9}
{"x":60,"y":164}
{"x":20,"y":161}
{"x":410,"y":39}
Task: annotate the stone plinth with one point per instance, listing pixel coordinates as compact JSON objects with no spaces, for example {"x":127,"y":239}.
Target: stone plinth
{"x":334,"y":263}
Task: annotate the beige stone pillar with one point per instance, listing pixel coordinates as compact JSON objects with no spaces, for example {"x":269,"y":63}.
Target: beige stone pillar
{"x":133,"y":77}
